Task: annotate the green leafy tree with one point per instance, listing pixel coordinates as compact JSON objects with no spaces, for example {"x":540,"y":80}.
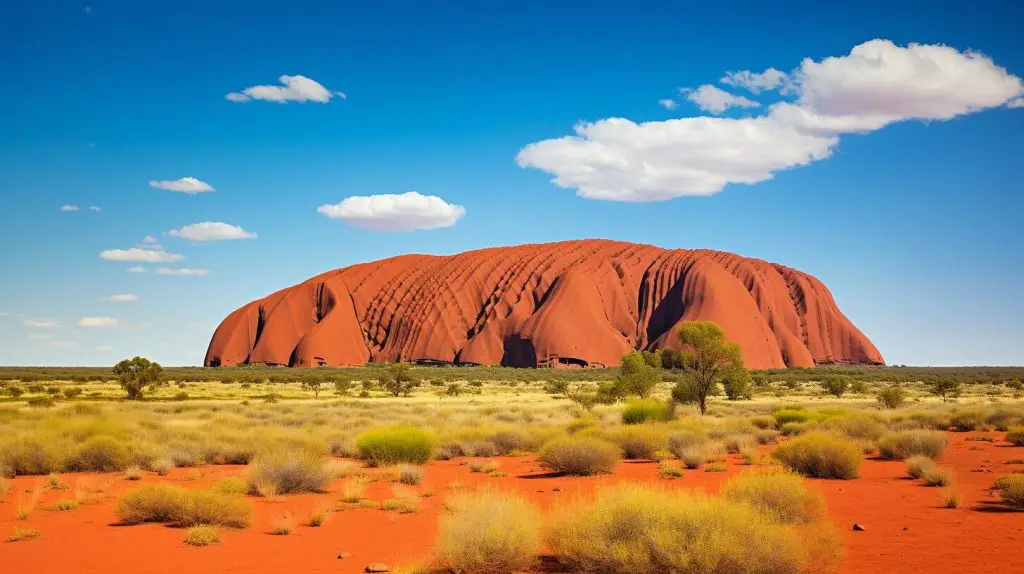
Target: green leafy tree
{"x":708,"y":361}
{"x":138,"y":374}
{"x":671,"y":359}
{"x":312,"y":383}
{"x":945,"y":387}
{"x":636,"y":377}
{"x":397,"y":380}
{"x":342,"y":384}
{"x":651,"y":359}
{"x":891,"y":397}
{"x":453,"y":390}
{"x":835,"y":385}
{"x":737,"y":384}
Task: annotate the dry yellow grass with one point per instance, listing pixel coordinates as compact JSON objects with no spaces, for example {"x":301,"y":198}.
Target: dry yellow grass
{"x":488,"y":531}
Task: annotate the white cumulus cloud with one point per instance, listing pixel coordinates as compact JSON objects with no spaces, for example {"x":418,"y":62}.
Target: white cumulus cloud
{"x":188,"y":185}
{"x":754,"y":82}
{"x":293,"y":89}
{"x":716,"y":100}
{"x":140,"y":255}
{"x":123,"y":298}
{"x":137,"y":269}
{"x":182,"y":271}
{"x":211,"y":231}
{"x":69,"y":207}
{"x":876,"y":84}
{"x":395,"y":212}
{"x":97,"y":322}
{"x":94,"y":208}
{"x":668,"y":104}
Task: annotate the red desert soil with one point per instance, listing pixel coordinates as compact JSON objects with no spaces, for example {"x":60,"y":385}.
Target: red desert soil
{"x":906,"y":528}
{"x":572,"y":303}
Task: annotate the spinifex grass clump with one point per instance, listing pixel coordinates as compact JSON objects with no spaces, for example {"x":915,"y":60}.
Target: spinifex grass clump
{"x":579,"y":456}
{"x":1011,"y":490}
{"x":488,"y":531}
{"x":634,"y":528}
{"x":182,"y":507}
{"x":397,"y":444}
{"x":900,"y":445}
{"x":290,"y":472}
{"x":821,"y":455}
{"x":780,"y":495}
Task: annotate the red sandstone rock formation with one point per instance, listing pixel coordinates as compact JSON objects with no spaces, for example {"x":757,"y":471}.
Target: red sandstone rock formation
{"x":580,"y":303}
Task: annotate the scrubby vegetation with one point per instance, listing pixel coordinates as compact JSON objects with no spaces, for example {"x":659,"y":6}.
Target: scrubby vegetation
{"x":287,"y":472}
{"x":821,"y":455}
{"x":579,"y":456}
{"x":398,"y":444}
{"x":901,"y":445}
{"x":182,"y":507}
{"x":1011,"y":489}
{"x":488,"y":531}
{"x":780,"y":495}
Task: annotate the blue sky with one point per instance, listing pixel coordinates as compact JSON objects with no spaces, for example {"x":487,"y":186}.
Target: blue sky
{"x":913,"y":220}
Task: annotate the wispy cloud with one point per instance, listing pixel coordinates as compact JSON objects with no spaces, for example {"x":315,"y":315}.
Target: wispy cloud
{"x":716,"y":100}
{"x":69,"y":207}
{"x":293,"y":89}
{"x":182,"y":271}
{"x":137,"y":269}
{"x":94,"y":208}
{"x":40,"y":322}
{"x":186,"y":185}
{"x":98,"y":322}
{"x":405,"y":212}
{"x":139,"y":255}
{"x":123,"y":298}
{"x":211,"y":231}
{"x":755,"y":82}
{"x":668,"y":104}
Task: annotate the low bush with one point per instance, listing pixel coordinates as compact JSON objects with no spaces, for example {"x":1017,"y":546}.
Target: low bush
{"x":891,"y":397}
{"x":579,"y":456}
{"x":230,"y":485}
{"x":101,"y":453}
{"x":821,"y":455}
{"x":781,"y":495}
{"x":639,"y":441}
{"x":393,"y":445}
{"x":22,"y":534}
{"x":1011,"y":489}
{"x":792,"y":415}
{"x":410,"y":474}
{"x":202,"y":536}
{"x":162,"y":466}
{"x":736,"y":443}
{"x":951,"y":499}
{"x":639,"y":411}
{"x":283,"y":525}
{"x":693,"y":456}
{"x":291,"y":472}
{"x":182,"y":507}
{"x":904,"y":444}
{"x":935,"y":476}
{"x":918,"y":465}
{"x":1015,"y":436}
{"x":967,"y":420}
{"x":488,"y":531}
{"x":683,"y":440}
{"x":634,"y":528}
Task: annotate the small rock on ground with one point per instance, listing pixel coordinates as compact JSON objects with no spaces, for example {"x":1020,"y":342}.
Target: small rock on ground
{"x":858,"y":527}
{"x":376,"y":567}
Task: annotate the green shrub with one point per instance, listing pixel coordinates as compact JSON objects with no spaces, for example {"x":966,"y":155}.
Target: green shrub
{"x":392,"y":445}
{"x":633,"y":528}
{"x":935,"y":476}
{"x":579,"y":456}
{"x":1011,"y":489}
{"x":781,"y":495}
{"x":230,"y":485}
{"x":639,"y":411}
{"x":101,"y":453}
{"x":487,"y":532}
{"x":182,"y":507}
{"x":891,"y":397}
{"x":792,"y":415}
{"x":290,"y":472}
{"x":904,"y":444}
{"x":682,"y":441}
{"x":821,"y":455}
{"x":1015,"y":436}
{"x":33,"y":455}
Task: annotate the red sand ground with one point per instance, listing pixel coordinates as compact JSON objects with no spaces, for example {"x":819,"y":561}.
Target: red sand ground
{"x":907,"y":529}
{"x":584,"y":302}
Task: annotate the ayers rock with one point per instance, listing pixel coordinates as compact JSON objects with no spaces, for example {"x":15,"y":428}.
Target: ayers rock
{"x":572,"y":303}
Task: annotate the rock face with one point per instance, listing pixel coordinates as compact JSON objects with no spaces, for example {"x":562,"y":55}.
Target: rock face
{"x":572,"y":303}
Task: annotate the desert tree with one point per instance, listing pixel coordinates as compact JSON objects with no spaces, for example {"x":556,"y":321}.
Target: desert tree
{"x":945,"y":387}
{"x":397,"y":380}
{"x":835,"y":385}
{"x":138,"y":374}
{"x":671,"y":359}
{"x":312,"y":383}
{"x":636,"y":376}
{"x":651,"y":359}
{"x":708,"y":361}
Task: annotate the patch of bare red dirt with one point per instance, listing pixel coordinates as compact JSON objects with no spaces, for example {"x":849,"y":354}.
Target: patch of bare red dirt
{"x":572,"y":303}
{"x":906,"y":527}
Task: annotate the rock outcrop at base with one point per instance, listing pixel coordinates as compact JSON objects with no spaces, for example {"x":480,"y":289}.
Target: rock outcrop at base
{"x":573,"y":303}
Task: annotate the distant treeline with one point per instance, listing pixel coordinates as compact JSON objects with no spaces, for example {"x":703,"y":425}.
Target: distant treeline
{"x":260,"y":374}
